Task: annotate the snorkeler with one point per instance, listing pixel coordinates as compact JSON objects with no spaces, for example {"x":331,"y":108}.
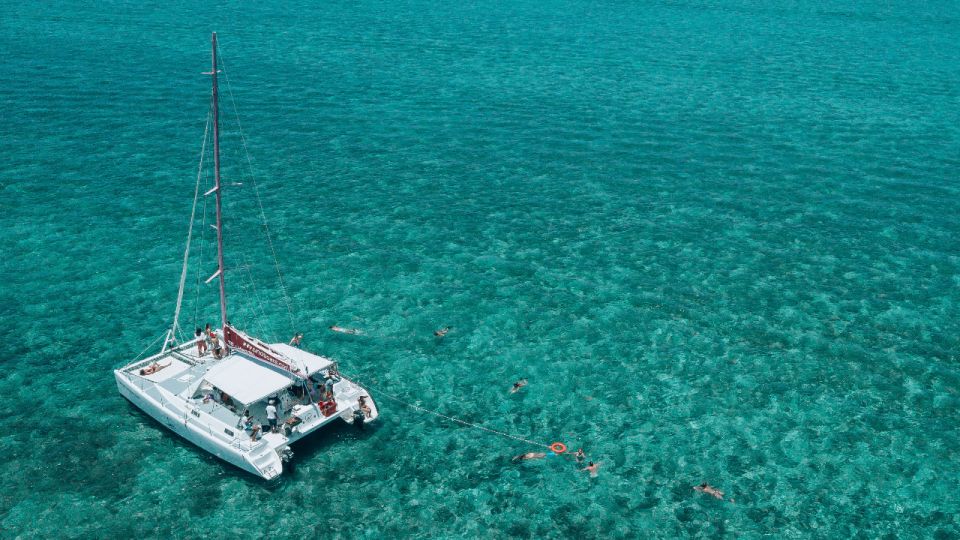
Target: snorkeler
{"x":518,"y":385}
{"x":343,"y":330}
{"x":529,"y":455}
{"x":710,"y":490}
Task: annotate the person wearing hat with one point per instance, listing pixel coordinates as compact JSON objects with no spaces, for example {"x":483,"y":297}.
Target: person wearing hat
{"x":272,"y":415}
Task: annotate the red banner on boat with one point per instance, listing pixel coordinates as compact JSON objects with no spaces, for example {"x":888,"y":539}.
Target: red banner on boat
{"x":237,"y":340}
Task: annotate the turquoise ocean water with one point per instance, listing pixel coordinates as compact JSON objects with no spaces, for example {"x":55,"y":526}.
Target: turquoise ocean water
{"x":718,"y":238}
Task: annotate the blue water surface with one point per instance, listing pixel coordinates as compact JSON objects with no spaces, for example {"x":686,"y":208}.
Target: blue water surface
{"x":720,"y":240}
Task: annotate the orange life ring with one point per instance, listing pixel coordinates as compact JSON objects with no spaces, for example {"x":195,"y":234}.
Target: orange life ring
{"x":558,"y":447}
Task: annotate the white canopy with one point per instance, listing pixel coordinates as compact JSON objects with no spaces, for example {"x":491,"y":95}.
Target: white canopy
{"x":302,"y":358}
{"x":245,"y":380}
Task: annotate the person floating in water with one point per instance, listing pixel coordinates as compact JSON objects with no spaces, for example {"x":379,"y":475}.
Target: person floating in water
{"x":580,"y":456}
{"x":343,"y":330}
{"x":710,"y":490}
{"x":530,"y":455}
{"x":442,"y":332}
{"x":295,"y":340}
{"x":592,"y":468}
{"x":518,"y":385}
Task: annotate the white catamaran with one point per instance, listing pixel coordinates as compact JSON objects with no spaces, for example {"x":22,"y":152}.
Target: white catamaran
{"x":233,"y":395}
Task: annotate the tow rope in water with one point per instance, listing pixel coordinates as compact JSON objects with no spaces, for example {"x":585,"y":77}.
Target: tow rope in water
{"x":557,"y":448}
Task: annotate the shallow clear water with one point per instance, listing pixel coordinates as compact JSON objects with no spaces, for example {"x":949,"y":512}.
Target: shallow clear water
{"x":719,"y":239}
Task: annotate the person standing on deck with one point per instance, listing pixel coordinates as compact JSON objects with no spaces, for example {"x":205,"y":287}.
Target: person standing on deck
{"x":201,"y":342}
{"x":328,"y":385}
{"x":272,"y":416}
{"x":207,"y":342}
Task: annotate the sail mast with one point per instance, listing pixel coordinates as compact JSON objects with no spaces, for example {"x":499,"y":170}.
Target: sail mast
{"x":218,"y":187}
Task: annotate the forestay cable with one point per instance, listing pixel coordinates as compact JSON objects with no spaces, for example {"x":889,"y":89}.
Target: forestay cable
{"x":186,"y":250}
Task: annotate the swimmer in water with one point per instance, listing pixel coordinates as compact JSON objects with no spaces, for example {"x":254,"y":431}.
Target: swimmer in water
{"x":442,"y":332}
{"x":343,"y":330}
{"x":518,"y":385}
{"x":710,"y":490}
{"x":297,"y":338}
{"x":592,"y":468}
{"x":530,"y":455}
{"x":580,"y":456}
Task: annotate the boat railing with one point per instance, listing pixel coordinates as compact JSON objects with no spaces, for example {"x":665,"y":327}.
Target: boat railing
{"x":178,"y":351}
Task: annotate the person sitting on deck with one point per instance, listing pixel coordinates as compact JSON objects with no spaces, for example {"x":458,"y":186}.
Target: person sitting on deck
{"x":154,"y":367}
{"x":246,"y":422}
{"x":362,"y":403}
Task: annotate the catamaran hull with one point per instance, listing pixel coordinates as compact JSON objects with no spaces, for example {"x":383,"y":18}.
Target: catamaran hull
{"x":180,"y":423}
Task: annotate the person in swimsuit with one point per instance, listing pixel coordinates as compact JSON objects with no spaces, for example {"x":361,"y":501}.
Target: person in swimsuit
{"x":710,"y":490}
{"x":295,"y":341}
{"x":592,"y":468}
{"x":367,"y":411}
{"x":343,"y":330}
{"x":518,"y":385}
{"x":215,"y":344}
{"x":442,"y":332}
{"x":580,"y":456}
{"x":153,"y":368}
{"x":529,"y":455}
{"x":201,"y":343}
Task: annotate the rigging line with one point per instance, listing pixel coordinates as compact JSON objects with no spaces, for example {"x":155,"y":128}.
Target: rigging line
{"x":258,"y":311}
{"x":150,"y":346}
{"x":193,"y":213}
{"x":256,"y":189}
{"x":203,"y":230}
{"x":444,"y":416}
